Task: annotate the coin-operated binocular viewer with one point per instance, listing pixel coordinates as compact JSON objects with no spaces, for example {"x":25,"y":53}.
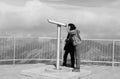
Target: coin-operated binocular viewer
{"x":59,"y":24}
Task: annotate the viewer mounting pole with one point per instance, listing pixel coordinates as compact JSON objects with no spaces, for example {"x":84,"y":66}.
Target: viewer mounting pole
{"x":58,"y":46}
{"x":58,"y":41}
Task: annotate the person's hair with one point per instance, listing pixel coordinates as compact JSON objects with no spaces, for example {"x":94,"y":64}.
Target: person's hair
{"x":72,"y":26}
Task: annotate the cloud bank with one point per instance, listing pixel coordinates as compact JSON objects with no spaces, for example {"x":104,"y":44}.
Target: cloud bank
{"x":94,"y":22}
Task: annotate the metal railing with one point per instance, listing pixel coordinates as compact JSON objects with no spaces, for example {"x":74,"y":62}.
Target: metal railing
{"x":26,"y":49}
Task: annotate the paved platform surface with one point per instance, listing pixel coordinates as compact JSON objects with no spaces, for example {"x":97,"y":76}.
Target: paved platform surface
{"x":50,"y":72}
{"x":97,"y":72}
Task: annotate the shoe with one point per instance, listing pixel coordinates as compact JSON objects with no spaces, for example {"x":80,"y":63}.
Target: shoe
{"x":76,"y":70}
{"x":64,"y":65}
{"x":72,"y":66}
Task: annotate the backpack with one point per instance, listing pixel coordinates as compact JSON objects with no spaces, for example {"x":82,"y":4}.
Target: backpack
{"x":76,"y":38}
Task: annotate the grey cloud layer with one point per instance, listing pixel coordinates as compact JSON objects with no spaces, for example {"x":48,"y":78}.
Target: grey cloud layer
{"x":94,"y":22}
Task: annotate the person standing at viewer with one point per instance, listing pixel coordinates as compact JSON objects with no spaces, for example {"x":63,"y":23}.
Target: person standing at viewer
{"x":76,"y":40}
{"x":69,"y":49}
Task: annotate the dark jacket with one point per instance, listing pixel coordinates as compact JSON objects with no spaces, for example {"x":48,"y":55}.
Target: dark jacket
{"x":69,"y":43}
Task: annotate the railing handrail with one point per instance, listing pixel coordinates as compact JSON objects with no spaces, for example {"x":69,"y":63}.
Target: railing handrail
{"x":46,"y":37}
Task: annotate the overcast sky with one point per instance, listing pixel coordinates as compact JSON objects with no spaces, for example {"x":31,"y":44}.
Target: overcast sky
{"x":94,"y":18}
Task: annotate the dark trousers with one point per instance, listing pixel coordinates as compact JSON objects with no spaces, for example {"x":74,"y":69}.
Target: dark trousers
{"x":71,"y":55}
{"x":77,"y":56}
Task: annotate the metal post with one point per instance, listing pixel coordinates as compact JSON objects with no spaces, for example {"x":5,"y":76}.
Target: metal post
{"x":62,"y":47}
{"x":113,"y":54}
{"x":14,"y":50}
{"x":58,"y":46}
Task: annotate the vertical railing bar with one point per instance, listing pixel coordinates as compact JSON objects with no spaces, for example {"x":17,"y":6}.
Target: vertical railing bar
{"x":14,"y":41}
{"x":62,"y":48}
{"x":113,"y":54}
